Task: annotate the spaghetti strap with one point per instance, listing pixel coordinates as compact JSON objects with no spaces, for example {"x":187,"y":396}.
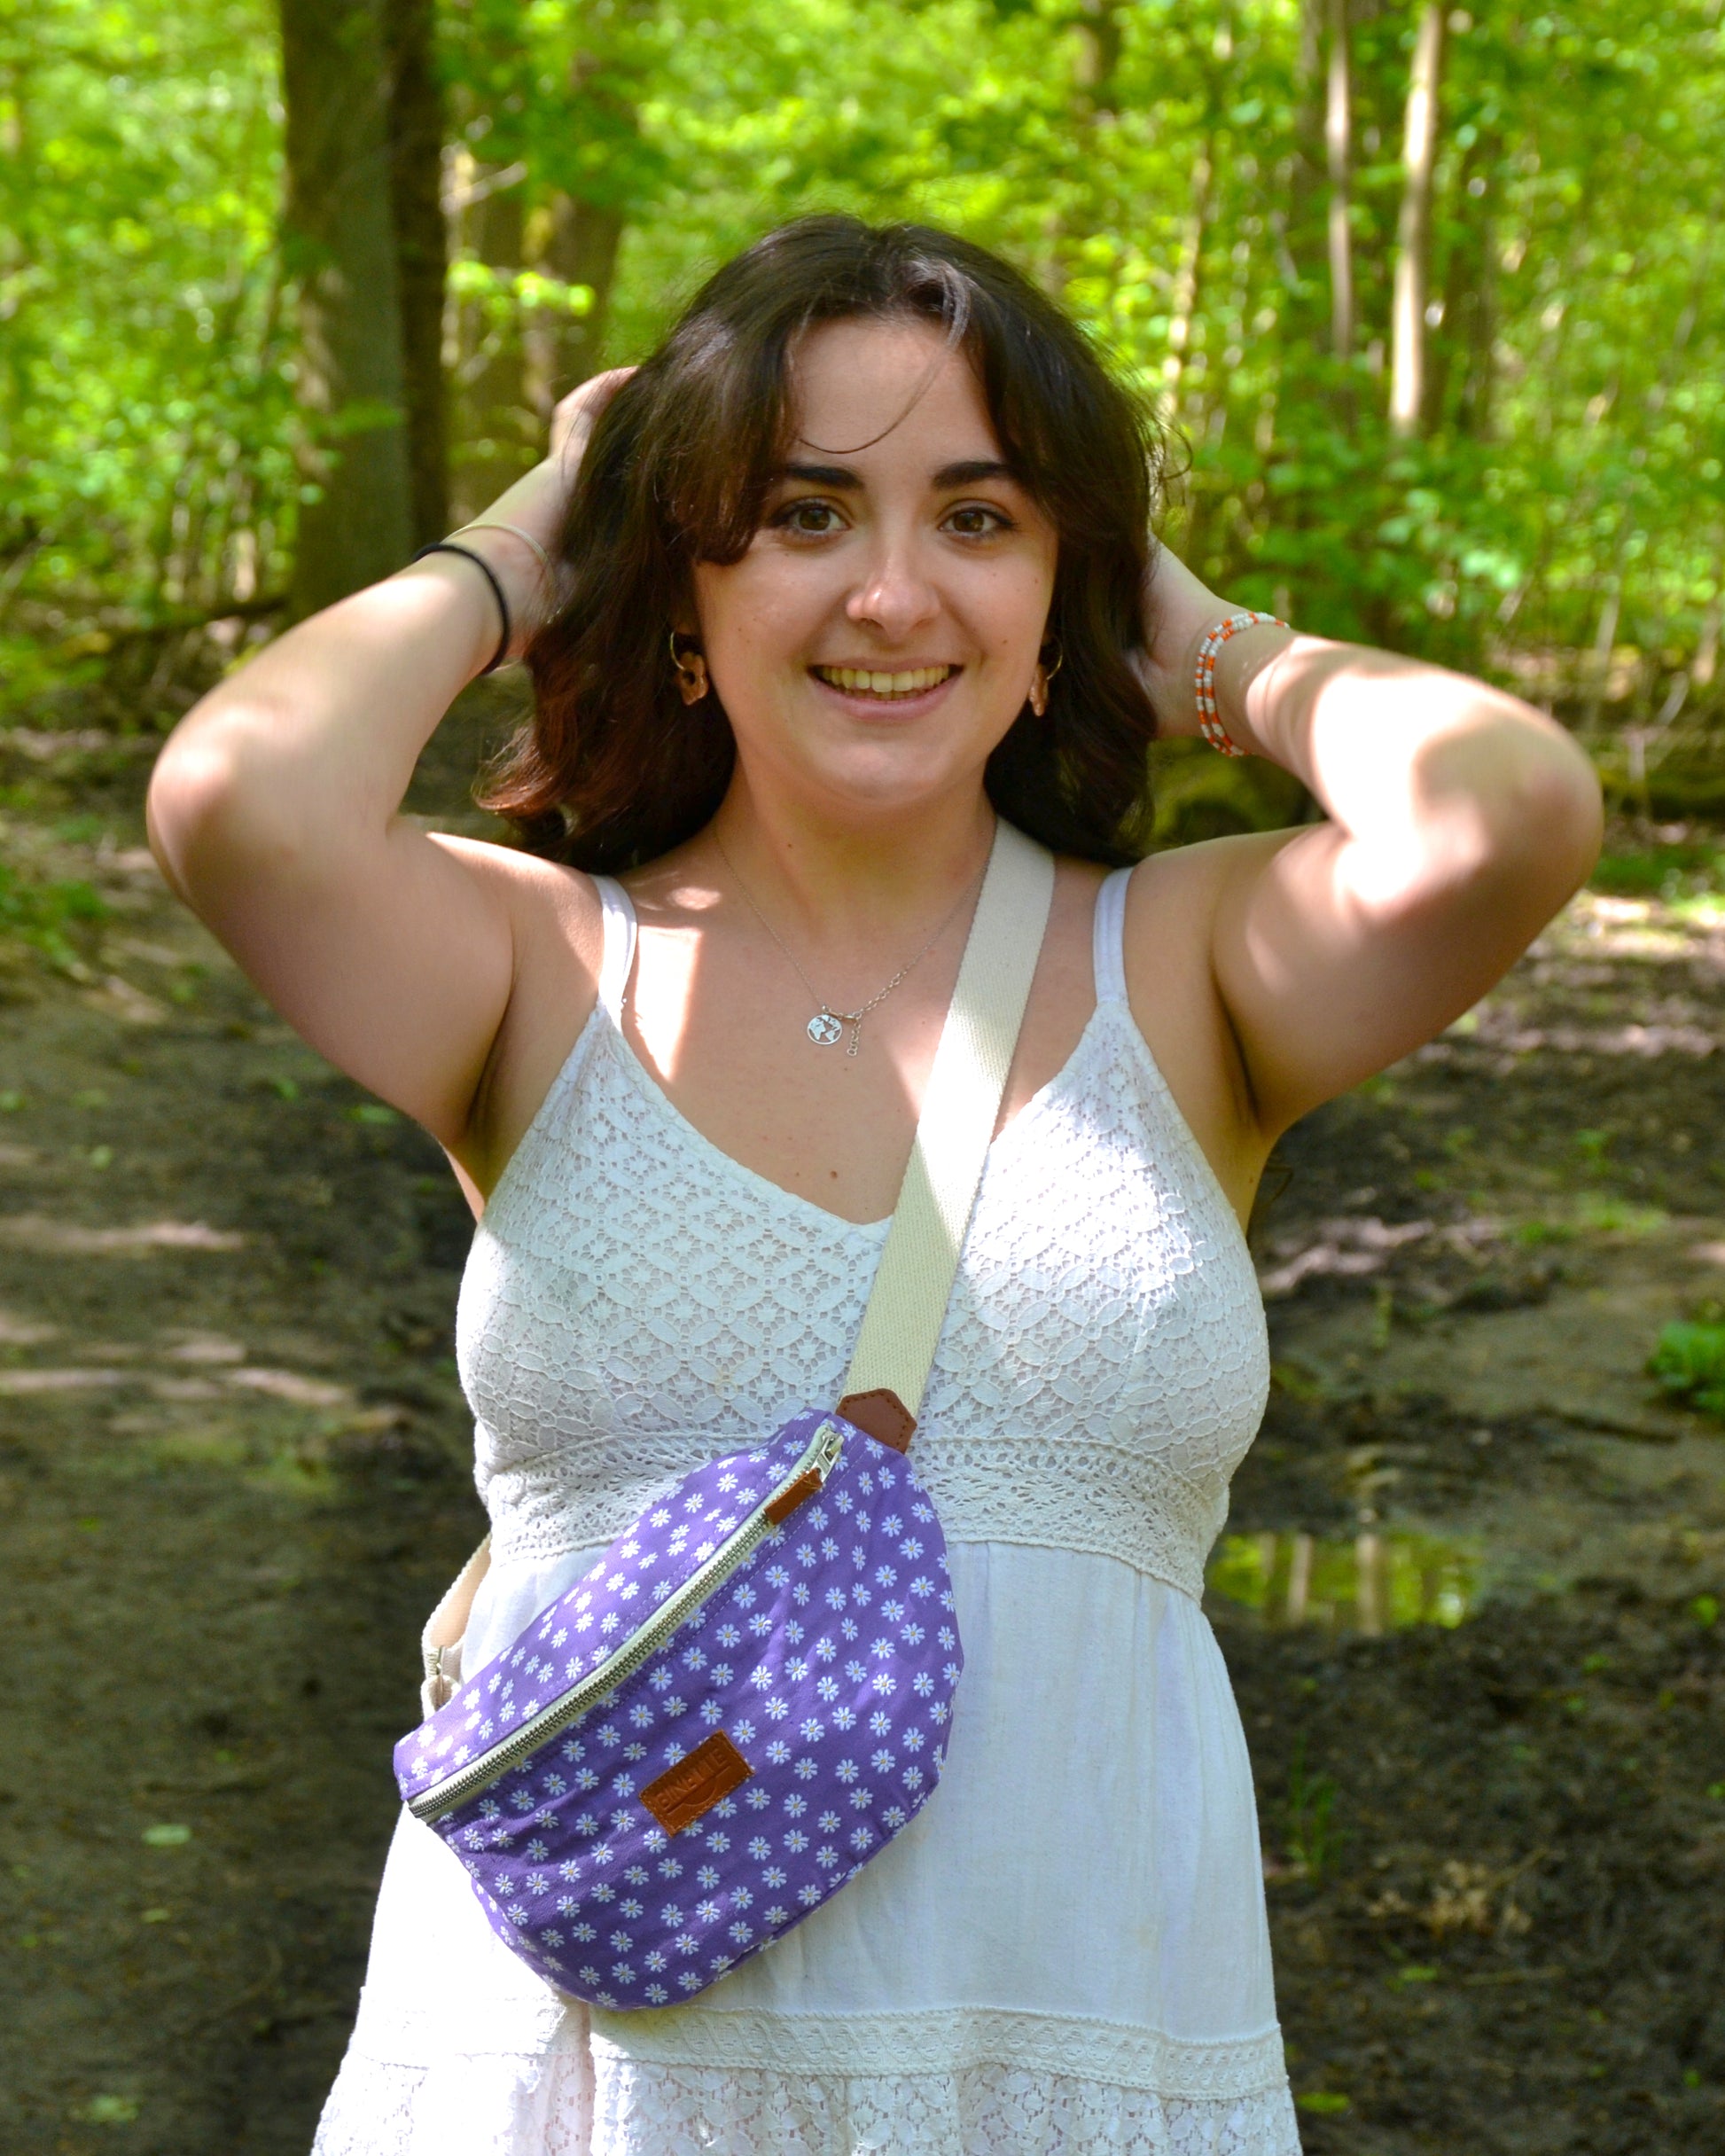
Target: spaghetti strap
{"x":1108,"y":951}
{"x":620,"y":933}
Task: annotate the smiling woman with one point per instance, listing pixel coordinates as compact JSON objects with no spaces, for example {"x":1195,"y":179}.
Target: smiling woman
{"x":697,"y":459}
{"x":853,"y":575}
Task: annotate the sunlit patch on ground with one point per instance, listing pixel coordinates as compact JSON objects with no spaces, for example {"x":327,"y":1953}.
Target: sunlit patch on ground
{"x":1368,"y":1584}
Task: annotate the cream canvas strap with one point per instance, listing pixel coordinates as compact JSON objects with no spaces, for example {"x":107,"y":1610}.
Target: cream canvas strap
{"x":907,"y":1306}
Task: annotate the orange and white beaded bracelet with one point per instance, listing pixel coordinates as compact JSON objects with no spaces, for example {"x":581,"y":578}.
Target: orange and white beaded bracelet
{"x":1203,"y":677}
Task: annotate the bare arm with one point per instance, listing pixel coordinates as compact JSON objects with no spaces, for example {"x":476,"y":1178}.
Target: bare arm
{"x":275,"y":813}
{"x":1459,"y":821}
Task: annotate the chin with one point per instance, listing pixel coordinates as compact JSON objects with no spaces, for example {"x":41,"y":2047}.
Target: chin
{"x":902,"y":775}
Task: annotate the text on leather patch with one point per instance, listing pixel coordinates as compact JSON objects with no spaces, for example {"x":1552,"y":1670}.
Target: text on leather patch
{"x":695,"y":1785}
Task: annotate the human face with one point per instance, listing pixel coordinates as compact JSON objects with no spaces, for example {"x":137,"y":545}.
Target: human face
{"x":894,"y":545}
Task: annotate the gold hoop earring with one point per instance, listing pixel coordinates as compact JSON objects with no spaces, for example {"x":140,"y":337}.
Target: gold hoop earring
{"x":691,"y":673}
{"x":1040,"y":680}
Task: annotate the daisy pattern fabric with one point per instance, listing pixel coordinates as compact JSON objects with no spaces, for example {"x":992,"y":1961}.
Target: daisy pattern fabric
{"x":789,"y":1727}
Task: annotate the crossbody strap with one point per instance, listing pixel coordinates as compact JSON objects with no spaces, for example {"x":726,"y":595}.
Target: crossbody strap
{"x":907,"y":1307}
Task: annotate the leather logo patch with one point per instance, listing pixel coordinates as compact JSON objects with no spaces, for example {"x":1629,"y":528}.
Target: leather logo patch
{"x":695,"y":1785}
{"x":881,"y":1415}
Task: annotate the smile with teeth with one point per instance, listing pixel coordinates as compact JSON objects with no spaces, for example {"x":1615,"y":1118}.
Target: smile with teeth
{"x":861,"y":681}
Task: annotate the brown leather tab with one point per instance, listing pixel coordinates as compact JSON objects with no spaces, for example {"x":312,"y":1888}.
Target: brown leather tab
{"x":881,"y":1415}
{"x":792,"y":1496}
{"x":695,"y":1785}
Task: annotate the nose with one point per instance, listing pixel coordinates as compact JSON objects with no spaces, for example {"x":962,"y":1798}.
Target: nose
{"x":895,"y":594}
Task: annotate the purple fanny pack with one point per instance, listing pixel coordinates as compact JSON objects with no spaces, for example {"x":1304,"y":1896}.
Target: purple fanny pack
{"x":750,"y":1694}
{"x":742,"y":1702}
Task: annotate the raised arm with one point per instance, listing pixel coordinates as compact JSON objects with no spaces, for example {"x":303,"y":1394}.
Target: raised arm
{"x":1458,"y":822}
{"x":274,"y":811}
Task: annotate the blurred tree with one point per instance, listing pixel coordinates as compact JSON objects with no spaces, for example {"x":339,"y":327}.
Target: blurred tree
{"x":416,"y":196}
{"x":1413,"y":245}
{"x":1338,"y":145}
{"x":595,"y":170}
{"x":338,"y":249}
{"x":1161,"y":164}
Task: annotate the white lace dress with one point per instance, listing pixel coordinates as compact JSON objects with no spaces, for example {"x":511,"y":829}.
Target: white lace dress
{"x":1067,"y":1950}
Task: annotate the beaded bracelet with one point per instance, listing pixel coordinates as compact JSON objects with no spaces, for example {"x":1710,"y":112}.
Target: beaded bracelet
{"x":496,"y":524}
{"x":1203,"y":677}
{"x":449,"y":546}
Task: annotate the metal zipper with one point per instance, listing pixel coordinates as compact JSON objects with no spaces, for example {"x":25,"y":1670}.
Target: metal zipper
{"x":819,"y":1459}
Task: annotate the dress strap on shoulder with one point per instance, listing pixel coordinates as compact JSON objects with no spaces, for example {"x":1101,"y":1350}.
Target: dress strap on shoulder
{"x":1108,"y":949}
{"x":620,"y":935}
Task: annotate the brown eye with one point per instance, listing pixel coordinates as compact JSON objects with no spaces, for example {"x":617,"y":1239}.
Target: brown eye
{"x":811,"y":519}
{"x":977,"y":522}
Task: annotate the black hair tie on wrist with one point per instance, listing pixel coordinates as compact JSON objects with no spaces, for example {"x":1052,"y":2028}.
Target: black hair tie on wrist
{"x":449,"y":546}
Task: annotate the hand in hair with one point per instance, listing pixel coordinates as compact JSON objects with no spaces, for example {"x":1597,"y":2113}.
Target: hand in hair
{"x":519,"y":532}
{"x":576,"y":416}
{"x":1179,"y":609}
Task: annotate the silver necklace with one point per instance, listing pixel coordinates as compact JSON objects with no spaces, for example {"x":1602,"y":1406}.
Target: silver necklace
{"x":827,"y":1026}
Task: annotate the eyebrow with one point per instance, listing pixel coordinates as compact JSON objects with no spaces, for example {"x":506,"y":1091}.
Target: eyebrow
{"x":973,"y":472}
{"x":968,"y":473}
{"x":834,"y":476}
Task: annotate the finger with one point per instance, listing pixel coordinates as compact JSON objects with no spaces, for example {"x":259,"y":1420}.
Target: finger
{"x":576,"y":413}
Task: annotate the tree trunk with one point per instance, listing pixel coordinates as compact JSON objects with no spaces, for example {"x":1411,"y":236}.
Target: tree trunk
{"x":1706,"y":648}
{"x":1338,"y":151}
{"x":1101,"y":35}
{"x":338,"y":247}
{"x":1188,"y":287}
{"x":1477,"y":322}
{"x":498,"y":439}
{"x":416,"y":141}
{"x":582,"y":249}
{"x":1463,"y":348}
{"x":1604,"y":643}
{"x":1413,"y":260}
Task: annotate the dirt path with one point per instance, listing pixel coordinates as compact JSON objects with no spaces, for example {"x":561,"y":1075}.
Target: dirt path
{"x":1495,"y":1839}
{"x":229,"y":1491}
{"x":1469,"y":1593}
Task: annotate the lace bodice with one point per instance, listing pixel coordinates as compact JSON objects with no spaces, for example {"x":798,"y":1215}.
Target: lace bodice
{"x":636,"y":1301}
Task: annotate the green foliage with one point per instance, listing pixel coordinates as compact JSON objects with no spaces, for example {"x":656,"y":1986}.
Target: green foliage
{"x":1559,"y":521}
{"x":1314,"y":1838}
{"x":143,"y":405}
{"x":1669,"y":872}
{"x":39,"y":915}
{"x":1689,"y":1364}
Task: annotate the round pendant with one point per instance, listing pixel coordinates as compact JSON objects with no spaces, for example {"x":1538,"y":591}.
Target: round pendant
{"x":824,"y":1030}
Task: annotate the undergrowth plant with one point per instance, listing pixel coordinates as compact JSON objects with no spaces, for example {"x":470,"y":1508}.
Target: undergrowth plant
{"x":45,"y":916}
{"x":1688,"y":1363}
{"x":1314,"y":1837}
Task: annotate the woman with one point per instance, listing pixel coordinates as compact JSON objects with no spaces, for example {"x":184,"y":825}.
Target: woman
{"x":856,"y":561}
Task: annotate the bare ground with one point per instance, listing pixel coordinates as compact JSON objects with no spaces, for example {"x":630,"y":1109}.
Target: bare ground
{"x":1470,"y":1594}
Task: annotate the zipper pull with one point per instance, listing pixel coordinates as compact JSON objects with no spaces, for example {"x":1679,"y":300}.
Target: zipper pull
{"x":806,"y":1485}
{"x":829,"y":1443}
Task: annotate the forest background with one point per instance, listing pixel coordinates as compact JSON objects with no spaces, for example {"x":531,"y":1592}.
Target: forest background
{"x":1426,"y":295}
{"x":1429,"y":301}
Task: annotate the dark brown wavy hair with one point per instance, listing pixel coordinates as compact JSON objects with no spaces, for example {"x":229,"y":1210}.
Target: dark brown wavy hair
{"x":613,"y":769}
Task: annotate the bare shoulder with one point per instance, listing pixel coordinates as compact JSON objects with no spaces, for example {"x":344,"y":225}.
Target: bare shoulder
{"x":1172,"y":906}
{"x":558,"y":932}
{"x":527,"y":883}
